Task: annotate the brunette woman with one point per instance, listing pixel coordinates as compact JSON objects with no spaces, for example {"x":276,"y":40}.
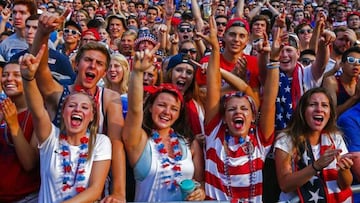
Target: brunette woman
{"x":311,"y":155}
{"x":160,"y":149}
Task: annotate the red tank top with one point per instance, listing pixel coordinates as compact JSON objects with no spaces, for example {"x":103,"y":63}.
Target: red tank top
{"x":15,"y":182}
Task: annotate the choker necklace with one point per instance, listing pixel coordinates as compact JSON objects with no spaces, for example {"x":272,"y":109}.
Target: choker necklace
{"x":248,"y":148}
{"x":78,"y":179}
{"x":170,"y":180}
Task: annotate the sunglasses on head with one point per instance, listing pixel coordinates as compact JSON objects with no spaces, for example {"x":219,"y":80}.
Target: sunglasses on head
{"x":353,"y":60}
{"x":185,"y":51}
{"x":221,"y":23}
{"x":73,"y":32}
{"x":303,"y":31}
{"x":182,"y":30}
{"x":238,"y":24}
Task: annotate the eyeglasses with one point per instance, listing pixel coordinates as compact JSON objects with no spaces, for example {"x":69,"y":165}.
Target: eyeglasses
{"x":73,"y":32}
{"x":303,"y":31}
{"x":182,"y":30}
{"x":341,"y":10}
{"x":306,"y":61}
{"x":185,"y":51}
{"x":221,"y":23}
{"x":275,"y":6}
{"x":353,"y":60}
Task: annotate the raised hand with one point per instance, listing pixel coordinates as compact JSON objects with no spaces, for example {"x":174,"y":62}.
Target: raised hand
{"x":212,"y":37}
{"x":327,"y":37}
{"x":49,"y":22}
{"x":240,"y":68}
{"x":143,"y":60}
{"x":345,"y":161}
{"x":5,"y":14}
{"x":30,"y":63}
{"x":262,"y":45}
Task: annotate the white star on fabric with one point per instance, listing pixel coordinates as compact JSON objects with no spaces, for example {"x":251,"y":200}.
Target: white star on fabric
{"x":288,"y":116}
{"x":280,"y":84}
{"x":279,"y":117}
{"x":283,"y":99}
{"x":315,"y":196}
{"x":282,"y":75}
{"x":287,"y":89}
{"x":278,"y":99}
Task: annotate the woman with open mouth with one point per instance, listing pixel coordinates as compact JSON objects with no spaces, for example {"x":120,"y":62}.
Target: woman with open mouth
{"x":75,"y":159}
{"x":236,"y":145}
{"x":311,"y":156}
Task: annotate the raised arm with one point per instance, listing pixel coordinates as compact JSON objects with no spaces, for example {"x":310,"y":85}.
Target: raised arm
{"x":34,"y":100}
{"x":267,"y":111}
{"x":319,"y":28}
{"x":213,"y":76}
{"x":239,"y":85}
{"x":47,"y":23}
{"x":239,"y":13}
{"x":133,"y":135}
{"x":323,"y":54}
{"x":197,"y":15}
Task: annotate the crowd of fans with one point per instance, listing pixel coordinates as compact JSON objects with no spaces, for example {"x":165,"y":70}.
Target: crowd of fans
{"x":123,"y":100}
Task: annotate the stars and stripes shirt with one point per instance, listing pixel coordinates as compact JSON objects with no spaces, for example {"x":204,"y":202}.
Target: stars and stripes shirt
{"x":238,"y":178}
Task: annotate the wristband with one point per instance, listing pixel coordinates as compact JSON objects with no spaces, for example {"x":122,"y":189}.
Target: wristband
{"x":273,"y":65}
{"x":27,"y":79}
{"x":316,"y":170}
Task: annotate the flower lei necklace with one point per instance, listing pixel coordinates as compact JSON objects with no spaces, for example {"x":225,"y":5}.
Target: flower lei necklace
{"x":78,"y":180}
{"x":248,"y":148}
{"x":170,"y":181}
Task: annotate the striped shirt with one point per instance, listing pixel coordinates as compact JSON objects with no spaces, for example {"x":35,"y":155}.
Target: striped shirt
{"x":231,"y":173}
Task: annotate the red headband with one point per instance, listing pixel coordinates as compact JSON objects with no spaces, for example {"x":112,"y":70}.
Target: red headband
{"x":165,"y":87}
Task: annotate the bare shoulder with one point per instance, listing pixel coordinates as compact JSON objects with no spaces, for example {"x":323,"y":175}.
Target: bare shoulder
{"x":330,"y":82}
{"x":111,"y":97}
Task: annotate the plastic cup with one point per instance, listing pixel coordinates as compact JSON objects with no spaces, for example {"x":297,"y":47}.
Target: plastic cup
{"x":187,"y":186}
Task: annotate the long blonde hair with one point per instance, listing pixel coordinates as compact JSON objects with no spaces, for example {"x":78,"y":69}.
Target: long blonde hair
{"x":126,"y":73}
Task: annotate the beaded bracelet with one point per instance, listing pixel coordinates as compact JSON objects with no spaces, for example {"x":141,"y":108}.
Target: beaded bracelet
{"x":273,"y":65}
{"x":27,"y":79}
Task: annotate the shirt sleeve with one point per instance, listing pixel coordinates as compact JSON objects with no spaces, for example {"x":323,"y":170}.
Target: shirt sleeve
{"x":102,"y":150}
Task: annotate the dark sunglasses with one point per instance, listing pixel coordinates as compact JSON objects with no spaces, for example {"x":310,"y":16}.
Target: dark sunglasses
{"x":182,"y":30}
{"x":221,"y":23}
{"x":185,"y":51}
{"x":303,"y":31}
{"x":306,"y":61}
{"x":73,"y":32}
{"x":341,"y":10}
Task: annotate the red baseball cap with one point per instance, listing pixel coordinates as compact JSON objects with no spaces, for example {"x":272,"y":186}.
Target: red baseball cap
{"x":238,"y":22}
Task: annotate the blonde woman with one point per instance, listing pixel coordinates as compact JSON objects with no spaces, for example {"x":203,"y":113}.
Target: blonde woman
{"x":117,"y":75}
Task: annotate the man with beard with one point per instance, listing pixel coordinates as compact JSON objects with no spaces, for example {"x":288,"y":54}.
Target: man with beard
{"x":345,"y":38}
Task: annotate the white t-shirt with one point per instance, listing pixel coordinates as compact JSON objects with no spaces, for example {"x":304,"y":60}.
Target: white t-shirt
{"x":285,"y":143}
{"x":51,"y":170}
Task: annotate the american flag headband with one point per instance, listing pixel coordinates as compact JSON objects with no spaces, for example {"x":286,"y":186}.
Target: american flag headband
{"x":225,"y":98}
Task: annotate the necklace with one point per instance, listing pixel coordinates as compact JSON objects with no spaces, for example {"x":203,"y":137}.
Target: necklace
{"x":170,"y":180}
{"x":248,"y":149}
{"x":78,"y":179}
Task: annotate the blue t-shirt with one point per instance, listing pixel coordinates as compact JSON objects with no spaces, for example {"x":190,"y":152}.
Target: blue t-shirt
{"x":59,"y":65}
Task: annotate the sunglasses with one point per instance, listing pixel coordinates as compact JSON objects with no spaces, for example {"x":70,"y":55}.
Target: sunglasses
{"x":306,"y":61}
{"x":341,"y":10}
{"x":185,"y":51}
{"x":73,"y":32}
{"x":221,"y":23}
{"x":353,"y":60}
{"x":182,"y":30}
{"x":303,"y":31}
